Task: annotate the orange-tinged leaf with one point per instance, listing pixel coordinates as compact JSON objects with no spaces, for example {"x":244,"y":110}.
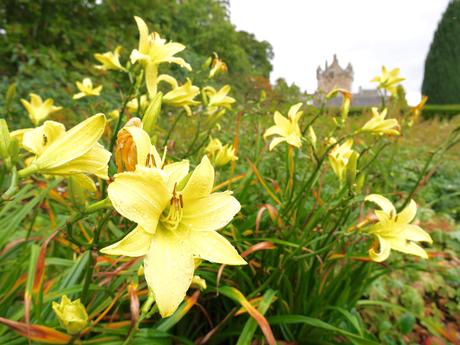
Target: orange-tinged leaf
{"x":273,"y":212}
{"x":237,"y":296}
{"x":38,"y":333}
{"x":134,"y":304}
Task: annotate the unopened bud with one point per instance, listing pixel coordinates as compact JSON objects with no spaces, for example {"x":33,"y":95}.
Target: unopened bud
{"x":71,"y":315}
{"x":151,"y":114}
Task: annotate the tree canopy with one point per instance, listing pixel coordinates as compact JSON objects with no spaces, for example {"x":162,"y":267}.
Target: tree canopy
{"x":441,"y":81}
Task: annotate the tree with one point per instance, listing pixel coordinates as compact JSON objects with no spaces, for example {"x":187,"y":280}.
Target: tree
{"x":441,"y":82}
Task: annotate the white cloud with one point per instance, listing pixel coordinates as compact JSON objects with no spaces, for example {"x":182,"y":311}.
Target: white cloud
{"x":369,"y":34}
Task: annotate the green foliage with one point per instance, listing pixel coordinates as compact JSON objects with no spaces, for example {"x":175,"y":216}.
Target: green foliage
{"x":441,"y":82}
{"x":48,"y":45}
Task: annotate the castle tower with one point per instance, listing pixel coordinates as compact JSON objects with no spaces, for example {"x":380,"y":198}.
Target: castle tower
{"x":334,"y":76}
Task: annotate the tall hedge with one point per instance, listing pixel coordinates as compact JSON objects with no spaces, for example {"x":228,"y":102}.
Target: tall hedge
{"x":441,"y":81}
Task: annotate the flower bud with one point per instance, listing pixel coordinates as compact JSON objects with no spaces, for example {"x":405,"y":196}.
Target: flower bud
{"x":151,"y":114}
{"x":71,"y":315}
{"x":351,"y":168}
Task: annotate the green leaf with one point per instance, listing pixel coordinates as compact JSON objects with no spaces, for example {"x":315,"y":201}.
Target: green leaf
{"x":406,"y":322}
{"x":317,"y":323}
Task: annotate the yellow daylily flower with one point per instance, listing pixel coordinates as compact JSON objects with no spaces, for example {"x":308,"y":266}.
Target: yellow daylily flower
{"x":287,"y":129}
{"x":37,"y":109}
{"x":57,"y":152}
{"x":218,"y":99}
{"x":339,"y":157}
{"x":388,"y":80}
{"x":133,"y":104}
{"x":110,"y":60}
{"x":180,"y":96}
{"x":378,"y":125}
{"x":152,"y":51}
{"x":394,"y":230}
{"x":71,"y":315}
{"x":86,"y":89}
{"x":220,"y":154}
{"x":175,"y":226}
{"x":217,"y":66}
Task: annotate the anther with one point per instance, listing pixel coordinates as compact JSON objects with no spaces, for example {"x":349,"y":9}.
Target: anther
{"x":45,"y":140}
{"x":181,"y":201}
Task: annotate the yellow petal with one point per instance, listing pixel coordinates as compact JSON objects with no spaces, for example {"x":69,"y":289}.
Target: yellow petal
{"x":281,"y":121}
{"x":201,"y":182}
{"x":143,"y":34}
{"x":274,"y":130}
{"x":134,"y":244}
{"x":275,"y":142}
{"x":383,"y":253}
{"x":95,"y":161}
{"x":413,"y":232}
{"x":408,"y":214}
{"x":294,"y":112}
{"x":140,"y":196}
{"x":212,"y":246}
{"x":168,"y":269}
{"x":72,"y":144}
{"x":209,"y":213}
{"x":175,"y":172}
{"x":408,"y":247}
{"x":37,"y":139}
{"x":142,"y":141}
{"x":382,"y":202}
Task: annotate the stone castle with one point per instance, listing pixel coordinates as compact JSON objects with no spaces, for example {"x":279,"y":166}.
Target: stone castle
{"x":334,"y":76}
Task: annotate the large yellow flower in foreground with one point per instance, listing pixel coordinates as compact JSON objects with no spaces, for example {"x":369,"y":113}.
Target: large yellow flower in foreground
{"x":58,"y":152}
{"x":152,"y":51}
{"x":394,"y":230}
{"x":37,"y":109}
{"x":287,"y":129}
{"x":388,"y":80}
{"x":176,"y":224}
{"x":86,"y":88}
{"x":379,"y":125}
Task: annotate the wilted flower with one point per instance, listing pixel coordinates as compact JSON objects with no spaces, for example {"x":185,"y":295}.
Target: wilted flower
{"x":287,"y":129}
{"x":388,"y":80}
{"x":37,"y":109}
{"x":220,"y":154}
{"x":133,"y":104}
{"x":378,"y":125}
{"x":218,"y":99}
{"x":180,"y":96}
{"x":417,"y":110}
{"x":175,"y":225}
{"x":71,"y":315}
{"x":58,"y":152}
{"x":110,"y":60}
{"x":339,"y":157}
{"x":217,"y":66}
{"x":152,"y":51}
{"x":86,"y":89}
{"x":394,"y":230}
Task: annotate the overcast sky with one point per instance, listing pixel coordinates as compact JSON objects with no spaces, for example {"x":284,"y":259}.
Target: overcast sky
{"x":367,"y":33}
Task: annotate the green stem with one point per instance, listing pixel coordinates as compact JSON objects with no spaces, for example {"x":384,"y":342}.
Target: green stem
{"x":91,"y":261}
{"x":172,"y":128}
{"x":144,"y":313}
